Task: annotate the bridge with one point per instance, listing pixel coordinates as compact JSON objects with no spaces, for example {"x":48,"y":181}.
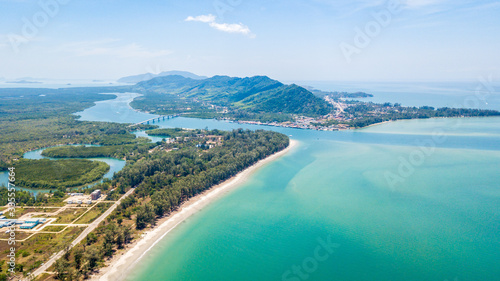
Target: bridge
{"x":152,"y":120}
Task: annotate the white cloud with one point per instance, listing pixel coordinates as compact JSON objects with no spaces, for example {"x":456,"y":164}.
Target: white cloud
{"x":225,"y":27}
{"x":202,"y":18}
{"x":233,"y":28}
{"x":109,"y":47}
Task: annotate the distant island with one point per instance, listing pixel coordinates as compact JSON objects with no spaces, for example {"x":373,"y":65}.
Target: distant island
{"x":24,"y":82}
{"x":148,"y":76}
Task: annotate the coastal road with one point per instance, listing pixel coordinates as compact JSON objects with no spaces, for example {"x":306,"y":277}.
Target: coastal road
{"x":80,"y":237}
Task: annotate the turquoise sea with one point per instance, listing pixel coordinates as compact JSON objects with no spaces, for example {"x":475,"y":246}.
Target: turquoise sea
{"x":410,"y":200}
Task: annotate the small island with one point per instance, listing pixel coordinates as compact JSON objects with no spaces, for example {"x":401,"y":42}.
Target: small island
{"x":58,"y":174}
{"x":24,"y":82}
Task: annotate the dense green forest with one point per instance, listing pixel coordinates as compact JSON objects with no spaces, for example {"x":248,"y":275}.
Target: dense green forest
{"x":27,"y":198}
{"x":36,"y":118}
{"x":21,"y":197}
{"x":172,"y":132}
{"x":33,"y":103}
{"x":53,"y":174}
{"x":255,"y":98}
{"x":180,"y":132}
{"x":365,"y":114}
{"x":171,"y":178}
{"x":115,"y":151}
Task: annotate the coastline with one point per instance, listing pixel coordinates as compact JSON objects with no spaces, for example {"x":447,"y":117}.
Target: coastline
{"x":378,"y":124}
{"x":121,"y":264}
{"x":430,"y":118}
{"x":355,"y":128}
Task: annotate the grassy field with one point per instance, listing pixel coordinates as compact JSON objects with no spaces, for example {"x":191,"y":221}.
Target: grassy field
{"x":94,"y":213}
{"x":19,"y":235}
{"x":32,"y":253}
{"x":54,"y":228}
{"x":69,"y":215}
{"x":22,"y":211}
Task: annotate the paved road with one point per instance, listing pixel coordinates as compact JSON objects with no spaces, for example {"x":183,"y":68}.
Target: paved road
{"x":82,"y":236}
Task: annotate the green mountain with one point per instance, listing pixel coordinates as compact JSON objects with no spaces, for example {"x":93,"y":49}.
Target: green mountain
{"x":258,"y":94}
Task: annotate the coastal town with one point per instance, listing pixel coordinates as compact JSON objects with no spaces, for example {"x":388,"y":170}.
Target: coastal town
{"x":349,"y":113}
{"x":340,"y":119}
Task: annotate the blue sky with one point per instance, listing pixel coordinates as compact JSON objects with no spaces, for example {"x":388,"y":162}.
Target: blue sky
{"x":421,"y":40}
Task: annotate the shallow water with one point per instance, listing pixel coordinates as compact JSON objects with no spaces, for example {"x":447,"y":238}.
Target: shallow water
{"x":410,"y":200}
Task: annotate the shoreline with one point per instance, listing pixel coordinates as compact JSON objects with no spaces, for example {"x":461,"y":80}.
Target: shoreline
{"x":122,"y":263}
{"x":247,"y":122}
{"x":353,"y":128}
{"x":430,"y":118}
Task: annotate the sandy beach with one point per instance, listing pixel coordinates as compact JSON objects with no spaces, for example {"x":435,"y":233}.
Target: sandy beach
{"x":120,"y":265}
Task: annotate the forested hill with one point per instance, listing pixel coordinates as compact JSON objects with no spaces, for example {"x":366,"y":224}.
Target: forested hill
{"x":258,"y":94}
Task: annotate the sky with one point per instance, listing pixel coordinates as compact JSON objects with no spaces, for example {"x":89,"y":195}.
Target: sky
{"x":288,"y":40}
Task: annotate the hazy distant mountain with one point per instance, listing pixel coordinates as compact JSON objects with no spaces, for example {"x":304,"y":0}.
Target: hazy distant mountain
{"x":24,"y":82}
{"x":136,"y":78}
{"x":149,"y":76}
{"x":256,"y":94}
